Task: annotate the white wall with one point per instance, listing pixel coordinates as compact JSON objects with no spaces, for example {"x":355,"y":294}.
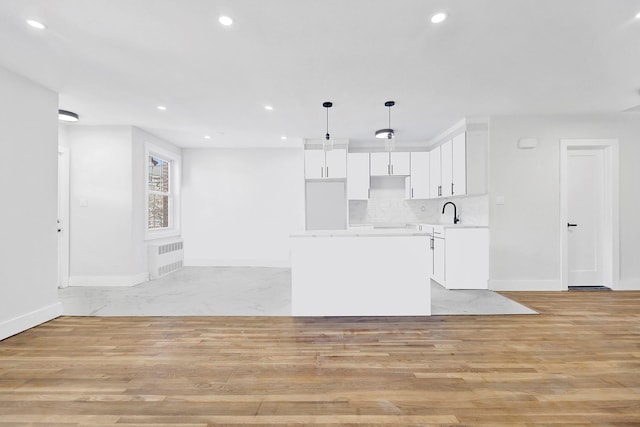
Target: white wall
{"x":28,"y":253}
{"x":525,"y":231}
{"x":239,"y":206}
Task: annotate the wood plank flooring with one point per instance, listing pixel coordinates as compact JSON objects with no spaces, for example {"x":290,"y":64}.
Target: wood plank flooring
{"x":576,"y":364}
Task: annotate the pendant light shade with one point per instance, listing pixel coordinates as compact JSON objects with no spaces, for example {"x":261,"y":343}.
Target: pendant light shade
{"x":67,"y":116}
{"x":388,"y":133}
{"x":327,"y":142}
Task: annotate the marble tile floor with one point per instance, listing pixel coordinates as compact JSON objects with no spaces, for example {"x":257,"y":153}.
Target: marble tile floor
{"x":242,"y":291}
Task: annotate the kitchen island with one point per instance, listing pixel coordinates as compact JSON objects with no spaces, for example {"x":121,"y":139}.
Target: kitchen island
{"x":378,"y":272}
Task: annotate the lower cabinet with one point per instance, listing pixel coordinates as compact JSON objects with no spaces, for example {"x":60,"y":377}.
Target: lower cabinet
{"x":461,"y":257}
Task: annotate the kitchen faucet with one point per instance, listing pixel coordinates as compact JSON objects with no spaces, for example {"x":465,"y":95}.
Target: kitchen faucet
{"x":455,"y":210}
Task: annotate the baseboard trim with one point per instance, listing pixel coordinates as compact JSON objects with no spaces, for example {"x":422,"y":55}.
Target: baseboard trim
{"x":237,"y":263}
{"x":26,"y":321}
{"x":627,"y":285}
{"x":131,"y":280}
{"x":525,"y":285}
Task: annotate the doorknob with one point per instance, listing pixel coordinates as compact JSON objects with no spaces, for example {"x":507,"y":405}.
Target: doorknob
{"x":571,"y":225}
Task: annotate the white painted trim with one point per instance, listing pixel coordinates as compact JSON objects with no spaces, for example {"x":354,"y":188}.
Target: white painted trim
{"x":63,"y":215}
{"x":525,"y":285}
{"x":237,"y":263}
{"x":612,"y":222}
{"x":29,"y":320}
{"x":175,"y":189}
{"x":629,"y":284}
{"x":130,"y":280}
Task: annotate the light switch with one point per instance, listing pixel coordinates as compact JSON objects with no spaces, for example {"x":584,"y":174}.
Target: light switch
{"x":499,"y":200}
{"x":84,"y":203}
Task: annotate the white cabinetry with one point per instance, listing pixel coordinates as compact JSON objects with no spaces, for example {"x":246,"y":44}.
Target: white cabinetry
{"x":461,"y":257}
{"x":358,"y":176}
{"x":393,"y":163}
{"x":434,"y":173}
{"x":325,"y":164}
{"x":459,"y":165}
{"x":419,"y":175}
{"x":448,"y":163}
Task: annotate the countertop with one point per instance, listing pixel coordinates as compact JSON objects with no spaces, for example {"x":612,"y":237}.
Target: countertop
{"x":363,"y":232}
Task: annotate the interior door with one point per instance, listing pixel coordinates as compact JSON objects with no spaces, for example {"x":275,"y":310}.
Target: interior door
{"x":585,"y":209}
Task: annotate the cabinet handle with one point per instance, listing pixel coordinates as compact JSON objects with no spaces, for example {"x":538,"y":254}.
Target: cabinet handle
{"x":452,"y":188}
{"x":368,"y":193}
{"x":391,"y":169}
{"x":412,"y":192}
{"x":327,"y":171}
{"x":388,"y":169}
{"x":431,"y":244}
{"x":321,"y":171}
{"x":439,"y":190}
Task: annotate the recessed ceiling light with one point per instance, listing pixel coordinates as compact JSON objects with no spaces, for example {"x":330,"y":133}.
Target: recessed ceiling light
{"x":438,"y":17}
{"x":36,"y":24}
{"x":67,"y":116}
{"x":268,"y":107}
{"x":207,"y":137}
{"x":638,"y":15}
{"x":225,"y":20}
{"x":161,"y":108}
{"x":283,"y":137}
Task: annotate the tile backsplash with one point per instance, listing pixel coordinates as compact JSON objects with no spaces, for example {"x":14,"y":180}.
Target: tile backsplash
{"x":387,"y":205}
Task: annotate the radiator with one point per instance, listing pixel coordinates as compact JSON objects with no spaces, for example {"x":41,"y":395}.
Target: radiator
{"x":164,"y":258}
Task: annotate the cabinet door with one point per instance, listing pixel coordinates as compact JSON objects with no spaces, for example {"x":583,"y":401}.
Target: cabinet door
{"x":446,"y":161}
{"x":420,"y":175}
{"x":314,"y":164}
{"x":336,"y":163}
{"x":400,"y":162}
{"x":438,"y":260}
{"x":358,"y":176}
{"x":434,"y":173}
{"x":460,"y":164}
{"x":379,"y":164}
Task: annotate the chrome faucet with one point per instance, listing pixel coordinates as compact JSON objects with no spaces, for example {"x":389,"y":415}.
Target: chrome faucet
{"x":455,"y":212}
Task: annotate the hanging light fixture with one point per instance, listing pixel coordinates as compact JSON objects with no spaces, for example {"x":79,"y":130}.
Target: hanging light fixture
{"x":327,"y":142}
{"x":387,"y":134}
{"x":67,"y":116}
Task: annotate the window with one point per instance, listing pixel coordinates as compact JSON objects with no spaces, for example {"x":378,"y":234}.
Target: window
{"x":162,"y":184}
{"x":159,"y":193}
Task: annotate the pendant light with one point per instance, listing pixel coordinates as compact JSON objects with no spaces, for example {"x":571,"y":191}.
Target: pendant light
{"x":387,"y":134}
{"x":327,"y":142}
{"x":67,"y":116}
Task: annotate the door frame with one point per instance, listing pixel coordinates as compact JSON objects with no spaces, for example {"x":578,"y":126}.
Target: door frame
{"x":63,"y":214}
{"x":611,"y":232}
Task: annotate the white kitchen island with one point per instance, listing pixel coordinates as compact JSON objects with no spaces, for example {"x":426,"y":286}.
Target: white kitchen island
{"x":361,"y":273}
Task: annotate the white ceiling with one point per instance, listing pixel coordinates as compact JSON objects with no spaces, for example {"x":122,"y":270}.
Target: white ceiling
{"x":114,"y":61}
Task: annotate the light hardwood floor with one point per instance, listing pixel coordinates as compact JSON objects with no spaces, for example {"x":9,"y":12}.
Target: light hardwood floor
{"x":577,"y":363}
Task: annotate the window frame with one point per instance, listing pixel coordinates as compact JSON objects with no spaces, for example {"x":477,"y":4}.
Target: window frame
{"x":175,"y":162}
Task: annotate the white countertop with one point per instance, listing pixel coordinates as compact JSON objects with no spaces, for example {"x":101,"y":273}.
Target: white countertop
{"x":362,"y":232}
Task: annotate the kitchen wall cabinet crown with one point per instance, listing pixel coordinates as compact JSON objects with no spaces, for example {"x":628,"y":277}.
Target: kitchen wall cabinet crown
{"x":321,"y":164}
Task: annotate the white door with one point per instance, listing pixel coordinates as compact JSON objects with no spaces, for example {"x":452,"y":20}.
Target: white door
{"x":446,"y":171}
{"x":419,"y":175}
{"x":336,"y":163}
{"x":459,"y":165}
{"x":63,"y":217}
{"x":314,"y":166}
{"x":380,"y":164}
{"x":358,"y":176}
{"x":434,"y":173}
{"x":585,"y":214}
{"x":400,"y":163}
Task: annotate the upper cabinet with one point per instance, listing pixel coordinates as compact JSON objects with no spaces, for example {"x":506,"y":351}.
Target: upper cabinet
{"x":320,"y":164}
{"x":358,"y":176}
{"x":449,"y":168}
{"x":396,"y":163}
{"x":419,"y":180}
{"x":435,"y":187}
